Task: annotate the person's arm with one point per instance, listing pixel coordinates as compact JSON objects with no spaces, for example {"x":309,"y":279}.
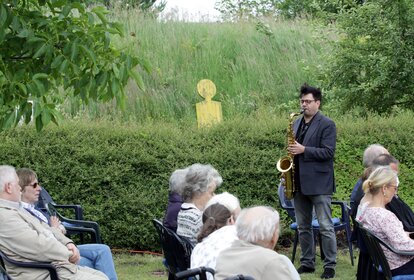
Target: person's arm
{"x":327,"y":144}
{"x":29,"y":240}
{"x":394,"y":230}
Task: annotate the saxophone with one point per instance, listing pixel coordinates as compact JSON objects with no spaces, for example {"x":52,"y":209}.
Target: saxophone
{"x":285,"y":165}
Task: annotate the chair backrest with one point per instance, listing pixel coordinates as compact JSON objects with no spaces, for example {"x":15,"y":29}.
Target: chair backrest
{"x":44,"y":199}
{"x":285,"y":203}
{"x":199,"y":271}
{"x":177,"y":250}
{"x":239,"y":277}
{"x":375,"y":251}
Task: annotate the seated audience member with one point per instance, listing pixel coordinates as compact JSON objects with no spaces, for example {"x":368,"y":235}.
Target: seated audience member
{"x":201,"y":182}
{"x":25,"y":238}
{"x":176,"y":185}
{"x":218,"y":233}
{"x":229,"y":201}
{"x":253,"y":254}
{"x":96,"y":256}
{"x":403,"y":212}
{"x":370,"y":153}
{"x":380,"y":187}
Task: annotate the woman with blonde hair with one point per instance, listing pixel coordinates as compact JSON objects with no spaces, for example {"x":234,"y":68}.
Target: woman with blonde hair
{"x":380,"y":188}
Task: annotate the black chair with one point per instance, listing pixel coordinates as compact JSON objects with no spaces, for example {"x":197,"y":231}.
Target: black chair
{"x":376,"y":253}
{"x":239,"y":277}
{"x":79,"y":227}
{"x":45,"y":199}
{"x":177,"y":250}
{"x":37,"y":265}
{"x":75,"y":226}
{"x":342,"y":223}
{"x":199,"y":271}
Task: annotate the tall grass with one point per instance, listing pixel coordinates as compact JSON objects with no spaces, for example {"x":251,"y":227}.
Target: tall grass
{"x":252,"y":71}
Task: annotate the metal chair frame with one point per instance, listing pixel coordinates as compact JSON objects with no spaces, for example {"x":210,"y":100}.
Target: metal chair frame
{"x":342,"y":223}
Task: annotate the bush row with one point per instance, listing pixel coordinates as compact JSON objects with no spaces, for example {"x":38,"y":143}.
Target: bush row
{"x":119,"y":172}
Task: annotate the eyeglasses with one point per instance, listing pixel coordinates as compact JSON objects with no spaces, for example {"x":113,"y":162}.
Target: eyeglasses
{"x":306,"y":101}
{"x":34,"y":185}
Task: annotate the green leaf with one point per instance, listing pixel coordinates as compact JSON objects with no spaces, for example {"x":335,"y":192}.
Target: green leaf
{"x":46,"y":117}
{"x":40,"y":87}
{"x":37,"y":109}
{"x":119,"y":27}
{"x":3,"y":15}
{"x":9,"y":120}
{"x":40,"y":76}
{"x":74,"y":51}
{"x":101,"y":16}
{"x":57,"y":61}
{"x":28,"y":113}
{"x":40,"y":51}
{"x":88,"y":53}
{"x":24,"y":33}
{"x":64,"y":66}
{"x":137,"y":78}
{"x":22,"y":88}
{"x":39,"y":124}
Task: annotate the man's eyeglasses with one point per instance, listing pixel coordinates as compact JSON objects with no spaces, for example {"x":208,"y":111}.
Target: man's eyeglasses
{"x":34,"y":185}
{"x":306,"y":101}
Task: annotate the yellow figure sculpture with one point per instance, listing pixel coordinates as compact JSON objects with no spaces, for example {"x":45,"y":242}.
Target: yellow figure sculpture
{"x":208,"y":111}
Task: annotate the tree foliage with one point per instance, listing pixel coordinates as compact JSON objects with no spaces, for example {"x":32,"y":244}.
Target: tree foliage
{"x":50,"y":49}
{"x":373,"y":63}
{"x":235,"y":10}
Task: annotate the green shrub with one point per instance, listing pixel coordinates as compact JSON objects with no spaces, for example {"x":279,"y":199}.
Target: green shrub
{"x":119,"y":173}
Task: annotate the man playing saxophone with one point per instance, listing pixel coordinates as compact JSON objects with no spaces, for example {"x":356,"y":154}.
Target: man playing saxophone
{"x":313,"y":152}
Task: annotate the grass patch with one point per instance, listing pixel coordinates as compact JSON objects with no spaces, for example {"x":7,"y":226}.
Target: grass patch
{"x":149,"y":267}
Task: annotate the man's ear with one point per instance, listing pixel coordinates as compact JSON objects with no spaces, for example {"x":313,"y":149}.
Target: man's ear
{"x":7,"y":188}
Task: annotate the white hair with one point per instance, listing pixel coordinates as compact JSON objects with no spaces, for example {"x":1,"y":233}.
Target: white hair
{"x":226,"y":199}
{"x":257,"y":224}
{"x":372,"y":152}
{"x":7,"y":175}
{"x":177,"y":180}
{"x":198,"y":180}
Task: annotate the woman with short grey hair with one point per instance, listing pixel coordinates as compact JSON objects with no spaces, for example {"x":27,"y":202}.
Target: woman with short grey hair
{"x":201,"y":182}
{"x":176,"y":186}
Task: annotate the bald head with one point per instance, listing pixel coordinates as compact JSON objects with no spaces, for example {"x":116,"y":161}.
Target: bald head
{"x":372,"y":152}
{"x":258,"y":225}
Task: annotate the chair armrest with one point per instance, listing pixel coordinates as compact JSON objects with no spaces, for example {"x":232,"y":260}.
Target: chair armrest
{"x":40,"y":265}
{"x":82,"y":226}
{"x":201,"y":271}
{"x":77,"y":208}
{"x":396,"y":251}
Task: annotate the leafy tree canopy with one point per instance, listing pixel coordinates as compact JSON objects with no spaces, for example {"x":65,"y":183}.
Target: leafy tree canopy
{"x":50,"y":49}
{"x":372,"y":66}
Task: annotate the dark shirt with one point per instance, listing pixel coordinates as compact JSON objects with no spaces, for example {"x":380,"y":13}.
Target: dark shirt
{"x":173,"y":207}
{"x":303,"y":128}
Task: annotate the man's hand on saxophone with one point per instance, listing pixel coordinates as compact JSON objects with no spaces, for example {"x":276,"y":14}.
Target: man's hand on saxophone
{"x":296,"y":149}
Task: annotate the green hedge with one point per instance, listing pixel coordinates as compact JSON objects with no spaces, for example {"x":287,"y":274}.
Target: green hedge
{"x":119,"y":173}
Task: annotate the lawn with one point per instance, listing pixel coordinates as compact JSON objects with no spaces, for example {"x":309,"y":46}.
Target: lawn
{"x":150,"y":267}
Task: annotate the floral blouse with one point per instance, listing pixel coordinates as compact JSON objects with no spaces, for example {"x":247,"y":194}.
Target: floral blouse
{"x":384,"y":224}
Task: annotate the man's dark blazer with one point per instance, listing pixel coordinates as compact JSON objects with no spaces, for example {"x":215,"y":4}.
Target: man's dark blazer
{"x":316,"y":168}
